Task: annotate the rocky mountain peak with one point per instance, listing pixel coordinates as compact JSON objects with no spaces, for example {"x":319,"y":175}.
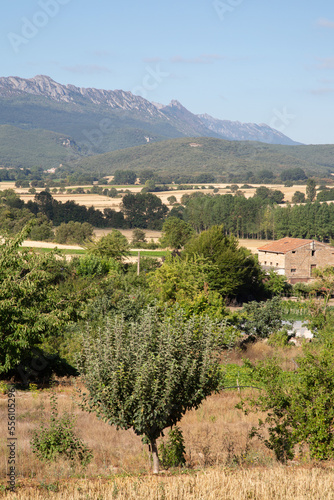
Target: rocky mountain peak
{"x":176,"y":104}
{"x":42,"y":85}
{"x":174,"y":116}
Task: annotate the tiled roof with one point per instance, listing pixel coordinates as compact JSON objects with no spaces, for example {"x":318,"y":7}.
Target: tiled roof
{"x":284,"y":245}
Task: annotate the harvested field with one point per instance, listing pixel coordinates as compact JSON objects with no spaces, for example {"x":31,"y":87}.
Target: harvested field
{"x":102,"y":202}
{"x":150,"y":235}
{"x":279,"y":483}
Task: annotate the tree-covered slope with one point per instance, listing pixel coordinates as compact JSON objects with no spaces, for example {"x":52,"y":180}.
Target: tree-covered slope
{"x":198,"y":155}
{"x":28,"y":148}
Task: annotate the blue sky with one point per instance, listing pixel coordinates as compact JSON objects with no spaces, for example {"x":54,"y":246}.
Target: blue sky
{"x":247,"y":60}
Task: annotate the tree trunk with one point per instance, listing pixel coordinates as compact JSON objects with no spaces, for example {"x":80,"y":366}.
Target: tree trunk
{"x":155,"y":457}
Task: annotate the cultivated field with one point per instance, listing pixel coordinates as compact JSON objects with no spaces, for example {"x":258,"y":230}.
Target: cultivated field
{"x":102,"y":202}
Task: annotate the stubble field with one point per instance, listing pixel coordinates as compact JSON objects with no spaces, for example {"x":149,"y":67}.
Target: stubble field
{"x":101,"y":202}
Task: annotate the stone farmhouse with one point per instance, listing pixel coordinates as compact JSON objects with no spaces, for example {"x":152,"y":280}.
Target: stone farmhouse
{"x":295,"y":258}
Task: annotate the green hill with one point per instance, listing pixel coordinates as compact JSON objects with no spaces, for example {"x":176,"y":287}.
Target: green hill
{"x":198,"y":155}
{"x":27,"y":148}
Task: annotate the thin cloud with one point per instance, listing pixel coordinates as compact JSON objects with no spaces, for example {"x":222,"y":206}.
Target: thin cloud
{"x":323,"y":91}
{"x":326,"y":63}
{"x":325,"y":23}
{"x":152,"y":59}
{"x":102,"y":53}
{"x":326,"y":81}
{"x":90,"y":69}
{"x":202,"y":59}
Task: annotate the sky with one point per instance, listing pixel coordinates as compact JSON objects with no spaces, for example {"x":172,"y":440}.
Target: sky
{"x":253,"y":61}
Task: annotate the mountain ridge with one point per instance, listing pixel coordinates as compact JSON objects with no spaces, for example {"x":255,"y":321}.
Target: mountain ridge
{"x":127,"y":111}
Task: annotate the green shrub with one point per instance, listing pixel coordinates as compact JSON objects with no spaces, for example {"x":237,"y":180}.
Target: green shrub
{"x":4,"y":388}
{"x":299,"y":405}
{"x":93,"y":265}
{"x":172,"y":452}
{"x":59,"y":439}
{"x":279,"y":339}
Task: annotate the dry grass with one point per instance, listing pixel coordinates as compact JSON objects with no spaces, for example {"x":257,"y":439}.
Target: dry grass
{"x":280,"y":483}
{"x":259,"y":351}
{"x":150,"y":234}
{"x":215,"y":434}
{"x":222,"y":463}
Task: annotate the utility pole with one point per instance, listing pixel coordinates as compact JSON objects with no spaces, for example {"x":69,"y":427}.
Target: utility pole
{"x":138,"y":264}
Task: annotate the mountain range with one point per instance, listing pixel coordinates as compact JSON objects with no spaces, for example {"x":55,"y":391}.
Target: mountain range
{"x":94,"y":121}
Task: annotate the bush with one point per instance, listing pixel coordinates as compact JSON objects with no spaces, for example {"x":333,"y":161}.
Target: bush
{"x":113,"y":245}
{"x":138,"y":236}
{"x":74,"y":233}
{"x":59,"y":439}
{"x":298,"y":197}
{"x":172,"y":452}
{"x":279,"y":339}
{"x":299,"y":405}
{"x":41,"y":232}
{"x":261,"y":318}
{"x":92,"y":265}
{"x":4,"y":388}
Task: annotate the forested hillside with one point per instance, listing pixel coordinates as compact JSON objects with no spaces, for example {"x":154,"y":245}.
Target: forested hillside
{"x":209,"y":155}
{"x":35,"y":148}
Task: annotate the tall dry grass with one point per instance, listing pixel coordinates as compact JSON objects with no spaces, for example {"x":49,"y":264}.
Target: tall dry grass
{"x":221,"y":460}
{"x":279,"y":483}
{"x":215,"y":434}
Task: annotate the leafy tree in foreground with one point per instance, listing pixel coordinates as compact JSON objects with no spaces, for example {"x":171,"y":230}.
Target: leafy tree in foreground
{"x":147,"y":374}
{"x":32,"y":306}
{"x":299,"y":406}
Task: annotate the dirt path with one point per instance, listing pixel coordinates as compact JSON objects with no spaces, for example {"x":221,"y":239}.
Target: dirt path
{"x":45,"y":244}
